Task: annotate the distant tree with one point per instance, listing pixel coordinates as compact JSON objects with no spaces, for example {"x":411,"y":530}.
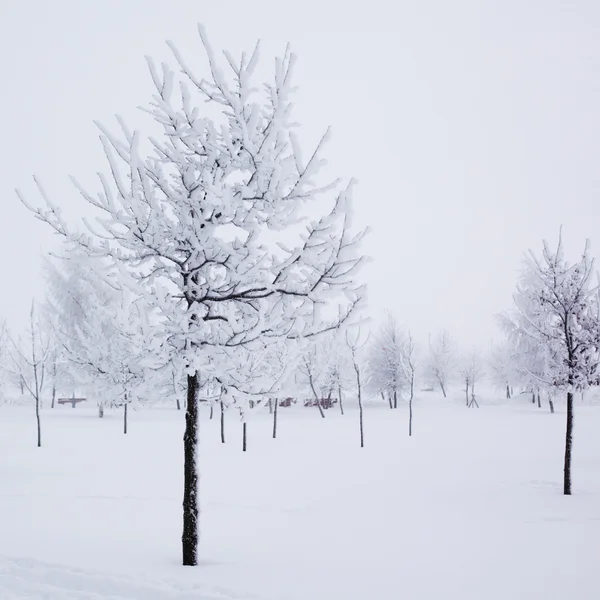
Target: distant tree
{"x":408,"y":354}
{"x":441,"y":361}
{"x":472,"y":370}
{"x":5,"y":365}
{"x":339,"y":370}
{"x":556,"y":309}
{"x":386,"y":374}
{"x":355,"y":346}
{"x":30,"y":355}
{"x":104,"y":334}
{"x":503,"y":367}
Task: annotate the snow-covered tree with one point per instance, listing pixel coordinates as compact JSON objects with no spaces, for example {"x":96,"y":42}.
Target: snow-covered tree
{"x":221,"y":227}
{"x":385,"y":367}
{"x":441,"y":361}
{"x":103,"y":333}
{"x":471,"y":370}
{"x":503,"y":367}
{"x":313,"y":374}
{"x":556,"y":308}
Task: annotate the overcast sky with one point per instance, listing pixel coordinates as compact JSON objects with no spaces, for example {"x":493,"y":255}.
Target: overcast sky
{"x":473,"y":128}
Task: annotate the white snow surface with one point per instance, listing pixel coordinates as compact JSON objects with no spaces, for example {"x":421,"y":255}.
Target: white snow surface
{"x":469,"y":508}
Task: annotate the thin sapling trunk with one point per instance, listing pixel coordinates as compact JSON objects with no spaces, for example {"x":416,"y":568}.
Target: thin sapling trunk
{"x":222,"y":422}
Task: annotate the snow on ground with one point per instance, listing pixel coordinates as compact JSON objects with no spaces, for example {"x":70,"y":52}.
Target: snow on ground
{"x":469,"y":508}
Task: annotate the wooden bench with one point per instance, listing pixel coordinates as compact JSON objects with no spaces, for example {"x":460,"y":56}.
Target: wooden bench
{"x":72,"y":401}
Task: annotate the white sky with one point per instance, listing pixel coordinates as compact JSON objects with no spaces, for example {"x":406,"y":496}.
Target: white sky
{"x":473,"y":127}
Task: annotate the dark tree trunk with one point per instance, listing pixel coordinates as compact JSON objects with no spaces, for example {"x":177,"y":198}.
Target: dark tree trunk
{"x":222,"y":423}
{"x":395,"y":399}
{"x":244,"y":437}
{"x":507,"y":392}
{"x":533,"y":398}
{"x":316,"y":396}
{"x":178,"y":403}
{"x":275,"y":418}
{"x":39,"y":425}
{"x":568,"y":444}
{"x":270,"y":406}
{"x":389,"y":399}
{"x":551,"y":404}
{"x":320,"y":408}
{"x":125,"y":416}
{"x":443,"y":388}
{"x":100,"y":411}
{"x":412,"y":395}
{"x":539,"y":400}
{"x":212,"y":406}
{"x":189,"y":538}
{"x":53,"y":395}
{"x":341,"y":400}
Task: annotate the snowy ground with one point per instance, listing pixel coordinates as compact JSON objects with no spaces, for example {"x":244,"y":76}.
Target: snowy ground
{"x":470,"y":508}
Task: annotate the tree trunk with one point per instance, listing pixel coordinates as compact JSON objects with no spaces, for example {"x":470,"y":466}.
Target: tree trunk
{"x":341,"y":400}
{"x":100,"y":411}
{"x":551,"y":404}
{"x":314,"y":391}
{"x":539,"y":400}
{"x":467,"y":390}
{"x":270,"y":406}
{"x":222,"y":423}
{"x":507,"y":392}
{"x":37,"y":416}
{"x":125,"y":417}
{"x":244,"y":437}
{"x":53,"y":395}
{"x":395,"y":399}
{"x":533,"y":398}
{"x":568,"y":444}
{"x":389,"y":399}
{"x":443,"y":388}
{"x":360,"y":411}
{"x":320,"y":408}
{"x":275,"y":418}
{"x":189,"y":538}
{"x":212,"y":406}
{"x":178,"y":403}
{"x":410,"y":417}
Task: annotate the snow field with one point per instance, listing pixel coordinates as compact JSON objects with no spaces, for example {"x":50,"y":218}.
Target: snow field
{"x":470,"y":507}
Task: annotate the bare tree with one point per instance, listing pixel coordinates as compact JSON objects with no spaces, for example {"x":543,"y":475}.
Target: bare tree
{"x":409,"y":367}
{"x":30,"y":358}
{"x":441,"y":360}
{"x":471,"y":370}
{"x":355,"y":345}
